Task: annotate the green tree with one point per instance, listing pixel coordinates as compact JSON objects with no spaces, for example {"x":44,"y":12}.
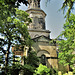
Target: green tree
{"x":32,"y":59}
{"x":67,"y":46}
{"x":7,"y":9}
{"x":69,"y":5}
{"x":30,"y":62}
{"x":43,"y":70}
{"x":13,"y":28}
{"x":1,"y":58}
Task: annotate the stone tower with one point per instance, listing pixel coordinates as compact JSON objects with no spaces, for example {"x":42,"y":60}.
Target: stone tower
{"x":37,"y":27}
{"x":40,"y":35}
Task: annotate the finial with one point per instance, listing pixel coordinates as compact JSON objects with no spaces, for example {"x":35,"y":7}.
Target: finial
{"x":34,"y":3}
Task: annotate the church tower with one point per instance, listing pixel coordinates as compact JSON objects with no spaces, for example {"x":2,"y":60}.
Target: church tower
{"x":41,"y":36}
{"x":37,"y":27}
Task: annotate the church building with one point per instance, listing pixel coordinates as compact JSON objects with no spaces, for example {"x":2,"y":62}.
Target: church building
{"x":41,"y":37}
{"x":39,"y":34}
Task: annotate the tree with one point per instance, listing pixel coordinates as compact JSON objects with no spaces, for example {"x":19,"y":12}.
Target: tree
{"x":8,"y":6}
{"x":69,"y":4}
{"x":1,"y":58}
{"x":43,"y":70}
{"x":7,"y":9}
{"x":13,"y":28}
{"x":32,"y":55}
{"x":67,"y":46}
{"x":30,"y":63}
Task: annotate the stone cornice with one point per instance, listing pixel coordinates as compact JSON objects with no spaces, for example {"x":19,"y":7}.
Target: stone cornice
{"x":37,"y":30}
{"x":33,"y":9}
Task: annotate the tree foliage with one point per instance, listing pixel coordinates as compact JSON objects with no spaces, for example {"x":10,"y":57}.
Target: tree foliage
{"x":43,"y":70}
{"x":13,"y":26}
{"x":14,"y":30}
{"x":30,"y":64}
{"x":69,"y":5}
{"x":67,"y":46}
{"x":32,"y":55}
{"x":1,"y":58}
{"x":7,"y":7}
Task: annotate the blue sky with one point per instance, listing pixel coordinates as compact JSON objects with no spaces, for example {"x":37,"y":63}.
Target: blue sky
{"x":54,"y":19}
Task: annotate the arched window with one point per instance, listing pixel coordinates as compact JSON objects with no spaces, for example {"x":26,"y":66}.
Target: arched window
{"x":43,"y":59}
{"x":36,"y":35}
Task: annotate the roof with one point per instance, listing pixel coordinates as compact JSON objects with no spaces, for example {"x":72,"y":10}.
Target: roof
{"x":41,"y":38}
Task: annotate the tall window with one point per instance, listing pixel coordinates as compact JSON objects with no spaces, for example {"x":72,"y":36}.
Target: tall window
{"x":43,"y":59}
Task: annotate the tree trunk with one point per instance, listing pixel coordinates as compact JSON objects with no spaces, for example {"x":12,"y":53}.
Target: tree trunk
{"x":7,"y":57}
{"x":70,"y":69}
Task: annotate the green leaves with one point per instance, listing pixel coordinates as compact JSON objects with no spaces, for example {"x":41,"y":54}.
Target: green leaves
{"x":13,"y":27}
{"x":69,"y":4}
{"x":32,"y":55}
{"x":9,"y":19}
{"x":29,"y":68}
{"x":67,"y":46}
{"x":41,"y":70}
